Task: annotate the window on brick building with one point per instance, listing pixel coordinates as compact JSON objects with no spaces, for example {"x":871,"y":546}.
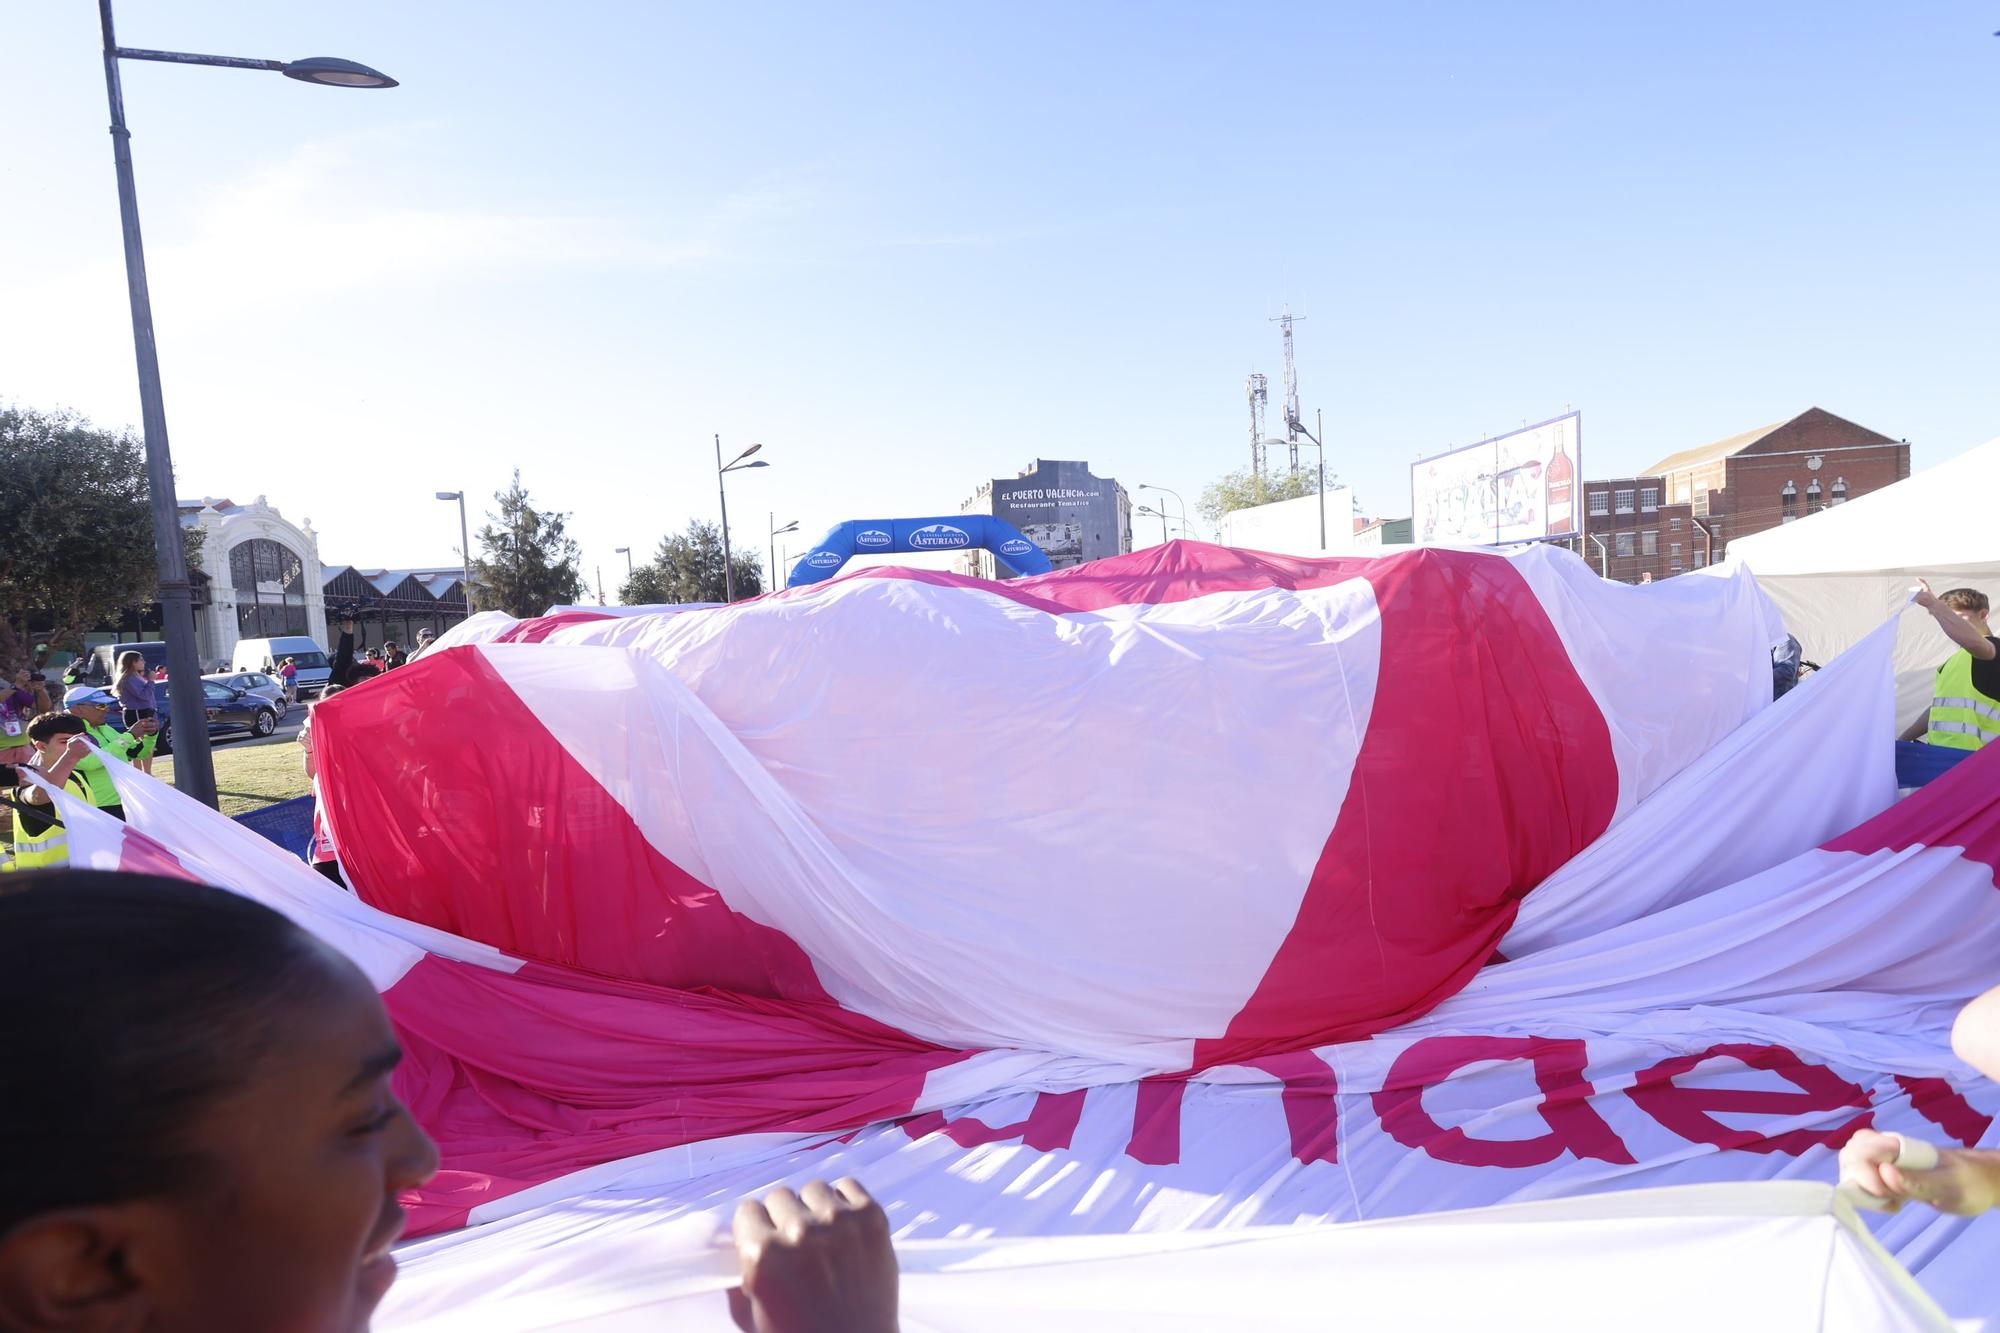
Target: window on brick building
{"x":1813,"y":505}
{"x":1840,"y":490}
{"x":1623,"y":501}
{"x":1649,"y":498}
{"x":1701,"y":504}
{"x":1699,"y":559}
{"x":1624,"y":543}
{"x":1674,"y":550}
{"x":1674,"y":523}
{"x":1649,"y":542}
{"x":1600,"y":502}
{"x":1788,"y":504}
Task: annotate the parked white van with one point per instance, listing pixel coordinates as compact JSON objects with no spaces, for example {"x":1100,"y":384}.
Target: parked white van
{"x":267,"y":655}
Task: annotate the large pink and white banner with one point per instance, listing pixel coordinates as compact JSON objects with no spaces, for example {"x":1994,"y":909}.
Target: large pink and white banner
{"x":1188,"y":892}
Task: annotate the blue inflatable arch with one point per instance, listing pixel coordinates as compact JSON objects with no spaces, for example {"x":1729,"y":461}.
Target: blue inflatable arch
{"x":898,"y":536}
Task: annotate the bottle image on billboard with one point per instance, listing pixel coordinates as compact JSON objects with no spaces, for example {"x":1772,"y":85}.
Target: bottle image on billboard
{"x":1560,"y":505}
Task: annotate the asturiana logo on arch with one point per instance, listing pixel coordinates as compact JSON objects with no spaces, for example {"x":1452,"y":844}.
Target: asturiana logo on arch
{"x":939,"y":536}
{"x":872,"y":537}
{"x":1015,"y":546}
{"x":823,"y":559}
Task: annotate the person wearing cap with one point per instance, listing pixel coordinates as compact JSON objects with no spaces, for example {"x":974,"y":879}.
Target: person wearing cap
{"x":93,"y":706}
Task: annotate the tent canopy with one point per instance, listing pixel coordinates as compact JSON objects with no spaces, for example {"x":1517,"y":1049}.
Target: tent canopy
{"x":1838,"y":573}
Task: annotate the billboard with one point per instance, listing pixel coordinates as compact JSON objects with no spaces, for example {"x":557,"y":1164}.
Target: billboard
{"x":1518,"y":487}
{"x":1072,"y":515}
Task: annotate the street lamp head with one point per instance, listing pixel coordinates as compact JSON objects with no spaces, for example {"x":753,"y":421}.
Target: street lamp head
{"x":759,"y":463}
{"x":451,"y":495}
{"x":621,"y":550}
{"x":336,"y":73}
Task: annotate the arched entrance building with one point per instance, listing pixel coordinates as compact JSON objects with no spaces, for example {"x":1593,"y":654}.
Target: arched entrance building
{"x":263,"y":571}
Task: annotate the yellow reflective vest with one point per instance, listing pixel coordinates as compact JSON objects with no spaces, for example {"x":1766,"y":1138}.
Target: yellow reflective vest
{"x":117,"y":744}
{"x":1961,"y":717}
{"x":49,"y":847}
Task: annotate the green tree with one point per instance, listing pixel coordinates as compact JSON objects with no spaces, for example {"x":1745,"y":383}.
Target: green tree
{"x":688,"y":568}
{"x":528,"y":561}
{"x":76,"y":527}
{"x":1243,"y":489}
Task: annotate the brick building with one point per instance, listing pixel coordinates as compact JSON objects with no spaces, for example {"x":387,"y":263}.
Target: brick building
{"x":1634,"y":531}
{"x":1778,"y":473}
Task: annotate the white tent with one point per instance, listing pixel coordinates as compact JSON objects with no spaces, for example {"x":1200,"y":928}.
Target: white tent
{"x":1838,"y":573}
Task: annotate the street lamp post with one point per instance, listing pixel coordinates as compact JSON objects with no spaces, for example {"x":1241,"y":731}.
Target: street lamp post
{"x":777,"y":532}
{"x":1177,"y":500}
{"x":464,"y":547}
{"x":1160,"y":514}
{"x":194,"y":766}
{"x":722,"y":492}
{"x":1299,"y":426}
{"x":625,"y":551}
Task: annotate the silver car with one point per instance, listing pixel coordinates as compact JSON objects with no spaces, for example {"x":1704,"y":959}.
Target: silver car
{"x":259,"y":683}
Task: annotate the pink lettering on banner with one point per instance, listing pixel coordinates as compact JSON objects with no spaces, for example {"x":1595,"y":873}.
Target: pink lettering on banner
{"x":1312,"y":1115}
{"x":1936,"y":1101}
{"x":1050,"y":1124}
{"x":1156,"y":1122}
{"x":1687,"y":1110}
{"x":1574,"y":1125}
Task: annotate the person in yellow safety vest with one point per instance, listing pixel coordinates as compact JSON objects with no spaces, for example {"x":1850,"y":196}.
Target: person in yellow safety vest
{"x":40,"y":840}
{"x":94,"y":706}
{"x":1965,"y":703}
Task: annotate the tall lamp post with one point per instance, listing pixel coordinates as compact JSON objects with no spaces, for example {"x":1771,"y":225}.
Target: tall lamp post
{"x":194,"y":766}
{"x":625,"y":551}
{"x":1299,"y":426}
{"x":1160,"y":514}
{"x":777,"y":532}
{"x":464,"y":546}
{"x":1177,"y":500}
{"x":736,"y":464}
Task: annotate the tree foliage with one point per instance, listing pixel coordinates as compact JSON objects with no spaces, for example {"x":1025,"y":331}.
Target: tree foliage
{"x":1243,"y":489}
{"x":688,"y":568}
{"x":528,"y":562}
{"x":76,"y":527}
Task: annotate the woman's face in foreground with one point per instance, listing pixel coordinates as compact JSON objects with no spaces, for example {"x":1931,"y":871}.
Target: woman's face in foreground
{"x":310,"y":1156}
{"x":290,"y":1228}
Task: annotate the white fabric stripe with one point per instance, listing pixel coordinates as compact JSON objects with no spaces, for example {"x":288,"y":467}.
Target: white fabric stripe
{"x":933,"y":874}
{"x":1958,"y":728}
{"x":226,"y":854}
{"x":1979,"y":706}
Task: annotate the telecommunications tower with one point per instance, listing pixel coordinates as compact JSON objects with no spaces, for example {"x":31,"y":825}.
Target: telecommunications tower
{"x":1284,"y":322}
{"x":1259,"y":390}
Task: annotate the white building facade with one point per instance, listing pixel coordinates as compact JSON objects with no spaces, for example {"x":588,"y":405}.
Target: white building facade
{"x":264,"y":575}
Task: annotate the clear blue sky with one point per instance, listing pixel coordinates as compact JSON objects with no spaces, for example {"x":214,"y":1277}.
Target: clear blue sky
{"x":912,"y":246}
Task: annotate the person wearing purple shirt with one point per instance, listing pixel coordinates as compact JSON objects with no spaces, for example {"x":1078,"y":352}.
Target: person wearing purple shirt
{"x":135,"y":696}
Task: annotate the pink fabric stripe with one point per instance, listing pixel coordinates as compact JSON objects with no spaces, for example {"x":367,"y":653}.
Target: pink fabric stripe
{"x":141,"y":854}
{"x":1486,"y":765}
{"x":1953,"y":811}
{"x":1159,"y":576}
{"x":505,"y":805}
{"x":523,"y":1077}
{"x":536,"y":628}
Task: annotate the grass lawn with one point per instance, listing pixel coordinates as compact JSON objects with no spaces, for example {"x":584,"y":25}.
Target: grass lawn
{"x":250,"y":777}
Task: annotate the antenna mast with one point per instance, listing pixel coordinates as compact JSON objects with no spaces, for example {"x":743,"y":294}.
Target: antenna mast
{"x":1259,"y":391}
{"x":1284,"y":322}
